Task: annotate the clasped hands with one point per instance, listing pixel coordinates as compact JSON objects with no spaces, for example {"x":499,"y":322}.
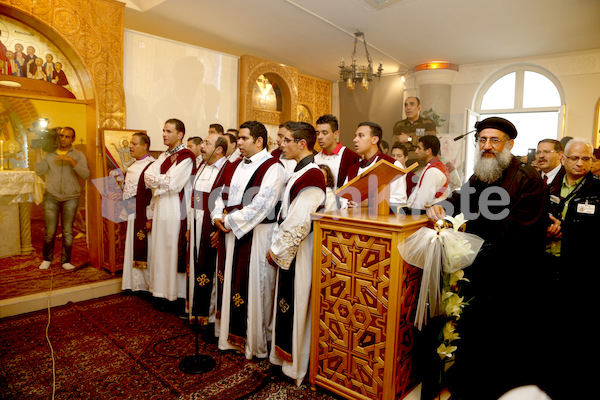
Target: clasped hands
{"x":437,"y":212}
{"x":215,"y":238}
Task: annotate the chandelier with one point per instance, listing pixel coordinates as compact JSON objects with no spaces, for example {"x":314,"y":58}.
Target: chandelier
{"x":362,"y":74}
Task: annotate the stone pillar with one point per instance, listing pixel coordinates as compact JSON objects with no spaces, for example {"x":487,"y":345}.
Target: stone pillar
{"x":434,"y":82}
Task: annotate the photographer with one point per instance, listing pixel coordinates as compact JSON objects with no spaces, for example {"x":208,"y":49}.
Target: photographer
{"x":62,"y":168}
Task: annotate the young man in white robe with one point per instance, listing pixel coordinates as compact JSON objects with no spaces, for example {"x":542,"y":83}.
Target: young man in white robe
{"x":288,"y":164}
{"x":366,"y":143}
{"x":291,"y":254}
{"x":333,"y":154}
{"x":432,"y":186}
{"x":246,"y":212}
{"x":136,"y":275}
{"x":169,"y":179}
{"x":202,"y":293}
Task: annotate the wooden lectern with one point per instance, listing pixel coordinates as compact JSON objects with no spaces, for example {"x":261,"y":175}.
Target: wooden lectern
{"x":374,"y":185}
{"x":364,"y":298}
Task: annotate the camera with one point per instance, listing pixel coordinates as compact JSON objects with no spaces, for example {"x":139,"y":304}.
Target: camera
{"x":47,"y":137}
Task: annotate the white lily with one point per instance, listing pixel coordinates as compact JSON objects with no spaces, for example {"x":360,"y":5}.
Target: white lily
{"x":457,"y":221}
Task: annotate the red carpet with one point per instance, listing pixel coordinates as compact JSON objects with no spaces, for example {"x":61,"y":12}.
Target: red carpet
{"x":116,"y":347}
{"x":20,"y":275}
{"x":121,"y":347}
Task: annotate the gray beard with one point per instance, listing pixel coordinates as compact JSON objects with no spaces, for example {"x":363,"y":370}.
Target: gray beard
{"x":489,"y":170}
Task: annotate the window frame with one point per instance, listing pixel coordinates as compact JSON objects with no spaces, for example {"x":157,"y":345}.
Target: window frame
{"x":520,"y":69}
{"x":478,"y":113}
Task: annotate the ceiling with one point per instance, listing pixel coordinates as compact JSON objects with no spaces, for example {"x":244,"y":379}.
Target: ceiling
{"x":313,"y":35}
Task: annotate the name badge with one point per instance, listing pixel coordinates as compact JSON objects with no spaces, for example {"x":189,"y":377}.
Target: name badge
{"x":586,"y":208}
{"x":554,"y":199}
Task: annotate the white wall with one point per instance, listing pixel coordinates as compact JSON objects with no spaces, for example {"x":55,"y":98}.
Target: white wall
{"x":165,"y":79}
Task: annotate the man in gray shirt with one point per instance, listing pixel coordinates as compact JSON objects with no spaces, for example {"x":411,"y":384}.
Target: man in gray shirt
{"x":62,"y":168}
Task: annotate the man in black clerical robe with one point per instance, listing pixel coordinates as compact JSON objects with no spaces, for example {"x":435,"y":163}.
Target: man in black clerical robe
{"x":505,"y":204}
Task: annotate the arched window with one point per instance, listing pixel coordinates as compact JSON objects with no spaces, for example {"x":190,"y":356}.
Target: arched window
{"x":527,"y":95}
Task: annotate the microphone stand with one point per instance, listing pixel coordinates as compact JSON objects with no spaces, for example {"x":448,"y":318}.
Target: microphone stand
{"x":197,"y":363}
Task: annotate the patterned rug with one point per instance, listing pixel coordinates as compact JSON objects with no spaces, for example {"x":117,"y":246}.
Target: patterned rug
{"x":116,"y":347}
{"x":20,"y":275}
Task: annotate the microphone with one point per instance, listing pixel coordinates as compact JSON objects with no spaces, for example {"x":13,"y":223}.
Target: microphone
{"x":220,"y":142}
{"x":463,"y":135}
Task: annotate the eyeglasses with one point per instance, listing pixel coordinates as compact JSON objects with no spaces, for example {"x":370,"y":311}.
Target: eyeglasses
{"x":494,"y":141}
{"x":575,"y":158}
{"x":545,"y":152}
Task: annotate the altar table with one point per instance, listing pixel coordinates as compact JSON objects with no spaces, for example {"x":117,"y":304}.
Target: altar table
{"x":18,"y":189}
{"x":364,"y":298}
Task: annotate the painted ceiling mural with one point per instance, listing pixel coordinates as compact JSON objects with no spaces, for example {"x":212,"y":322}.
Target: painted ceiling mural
{"x":26,"y":53}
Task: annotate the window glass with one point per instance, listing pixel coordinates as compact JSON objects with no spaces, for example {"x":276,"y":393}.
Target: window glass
{"x":501,"y":95}
{"x":531,"y":128}
{"x":539,"y":91}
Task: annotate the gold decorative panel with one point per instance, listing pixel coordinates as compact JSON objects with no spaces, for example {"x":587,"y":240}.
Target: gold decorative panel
{"x":306,"y":89}
{"x":304,"y":114}
{"x":295,"y":89}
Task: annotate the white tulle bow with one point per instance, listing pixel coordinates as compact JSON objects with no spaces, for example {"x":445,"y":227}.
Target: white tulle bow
{"x":447,"y":250}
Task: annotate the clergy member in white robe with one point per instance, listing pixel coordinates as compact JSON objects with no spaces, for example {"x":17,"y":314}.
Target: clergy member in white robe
{"x":169,"y":179}
{"x":337,"y":157}
{"x":366,"y":143}
{"x":246,"y":212}
{"x":136,"y":275}
{"x":288,"y":164}
{"x":201,"y":300}
{"x":291,"y":253}
{"x":432,"y":186}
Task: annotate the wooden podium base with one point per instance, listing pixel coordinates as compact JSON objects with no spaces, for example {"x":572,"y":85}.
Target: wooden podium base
{"x":364,"y":299}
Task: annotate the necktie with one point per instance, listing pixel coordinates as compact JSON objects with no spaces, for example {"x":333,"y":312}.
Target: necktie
{"x":545,"y":179}
{"x":247,"y":160}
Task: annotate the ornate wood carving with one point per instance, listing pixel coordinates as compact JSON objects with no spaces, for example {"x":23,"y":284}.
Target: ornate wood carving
{"x":364,"y":297}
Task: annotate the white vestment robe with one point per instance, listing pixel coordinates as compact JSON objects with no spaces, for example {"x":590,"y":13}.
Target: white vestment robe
{"x":333,"y":161}
{"x":203,"y":182}
{"x":430,"y":182}
{"x":261,"y":280}
{"x":293,"y":239}
{"x":135,"y":278}
{"x":165,"y":281}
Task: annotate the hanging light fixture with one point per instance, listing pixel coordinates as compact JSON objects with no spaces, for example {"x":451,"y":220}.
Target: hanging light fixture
{"x":359,"y":74}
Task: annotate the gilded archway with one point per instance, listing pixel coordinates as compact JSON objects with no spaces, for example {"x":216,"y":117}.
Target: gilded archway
{"x":298,"y":91}
{"x":284,"y":77}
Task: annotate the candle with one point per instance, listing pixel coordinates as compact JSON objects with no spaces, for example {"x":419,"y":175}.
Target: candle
{"x":2,"y":154}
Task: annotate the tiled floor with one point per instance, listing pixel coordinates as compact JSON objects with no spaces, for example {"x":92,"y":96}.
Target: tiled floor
{"x":39,"y":301}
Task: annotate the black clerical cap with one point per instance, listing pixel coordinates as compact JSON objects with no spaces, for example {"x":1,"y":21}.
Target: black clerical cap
{"x":501,"y":124}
